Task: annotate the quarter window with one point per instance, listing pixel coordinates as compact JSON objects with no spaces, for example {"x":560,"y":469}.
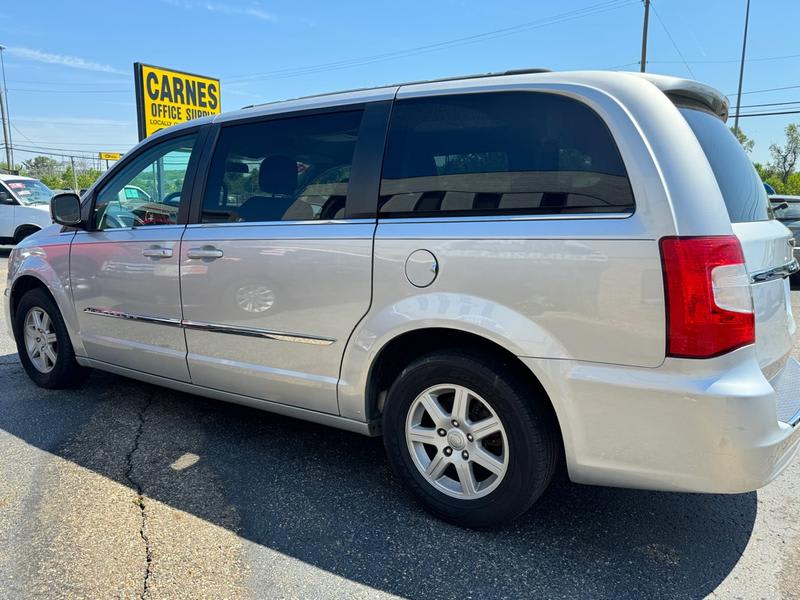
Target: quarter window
{"x":148,"y":191}
{"x":291,"y":169}
{"x":500,"y":153}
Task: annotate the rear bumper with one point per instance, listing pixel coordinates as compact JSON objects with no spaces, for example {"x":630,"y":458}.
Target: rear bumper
{"x":715,"y":426}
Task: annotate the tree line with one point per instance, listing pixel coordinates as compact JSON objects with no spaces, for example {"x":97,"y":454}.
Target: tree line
{"x":780,"y":171}
{"x":58,"y":174}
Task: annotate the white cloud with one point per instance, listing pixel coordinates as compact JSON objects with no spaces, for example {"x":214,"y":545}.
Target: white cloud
{"x":252,"y":10}
{"x":64,"y":60}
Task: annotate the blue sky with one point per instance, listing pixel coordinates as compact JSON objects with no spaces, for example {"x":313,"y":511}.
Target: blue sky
{"x":70,"y":77}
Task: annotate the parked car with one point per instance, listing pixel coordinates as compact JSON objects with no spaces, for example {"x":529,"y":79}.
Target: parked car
{"x":787,"y":211}
{"x":769,"y":188}
{"x":24,"y":207}
{"x":499,"y":274}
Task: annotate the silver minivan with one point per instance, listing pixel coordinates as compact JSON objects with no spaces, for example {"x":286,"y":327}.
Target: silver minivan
{"x":502,"y":275}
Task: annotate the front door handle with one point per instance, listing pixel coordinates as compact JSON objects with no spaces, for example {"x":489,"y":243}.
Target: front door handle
{"x":157,"y":252}
{"x":204,"y":252}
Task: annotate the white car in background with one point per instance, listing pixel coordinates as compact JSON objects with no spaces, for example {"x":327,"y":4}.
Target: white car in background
{"x":24,"y":207}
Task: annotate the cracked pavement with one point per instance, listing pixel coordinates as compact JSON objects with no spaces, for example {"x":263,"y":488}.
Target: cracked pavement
{"x":126,"y":490}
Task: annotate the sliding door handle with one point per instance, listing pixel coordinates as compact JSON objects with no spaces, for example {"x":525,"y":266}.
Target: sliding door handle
{"x":157,"y":252}
{"x":204,"y":252}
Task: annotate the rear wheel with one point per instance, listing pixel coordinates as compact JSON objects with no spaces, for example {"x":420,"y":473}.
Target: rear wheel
{"x":43,"y":343}
{"x":469,"y":438}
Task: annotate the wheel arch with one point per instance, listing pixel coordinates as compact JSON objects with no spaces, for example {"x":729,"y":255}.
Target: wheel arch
{"x":398,"y":352}
{"x":24,"y":227}
{"x":30,"y":278}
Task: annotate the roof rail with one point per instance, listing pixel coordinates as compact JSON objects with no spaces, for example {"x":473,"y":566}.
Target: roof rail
{"x":376,"y":87}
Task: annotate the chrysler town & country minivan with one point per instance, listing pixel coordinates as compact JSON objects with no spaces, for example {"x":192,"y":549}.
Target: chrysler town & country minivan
{"x":499,"y":274}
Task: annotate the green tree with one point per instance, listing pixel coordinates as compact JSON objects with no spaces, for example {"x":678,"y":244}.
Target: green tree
{"x":784,"y":158}
{"x":745,"y":141}
{"x":45,"y":168}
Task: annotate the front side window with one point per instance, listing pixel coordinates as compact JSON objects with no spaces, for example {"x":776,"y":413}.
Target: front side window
{"x":500,"y":153}
{"x":291,"y":169}
{"x":148,"y":191}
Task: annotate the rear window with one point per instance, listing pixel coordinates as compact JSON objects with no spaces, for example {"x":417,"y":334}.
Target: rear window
{"x":500,"y":153}
{"x":741,"y":187}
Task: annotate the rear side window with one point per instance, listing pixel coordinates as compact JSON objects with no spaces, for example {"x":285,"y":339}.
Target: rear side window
{"x":500,"y":153}
{"x":741,"y":187}
{"x":291,"y":169}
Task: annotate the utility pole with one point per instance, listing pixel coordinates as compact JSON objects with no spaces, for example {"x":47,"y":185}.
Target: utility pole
{"x":5,"y":116}
{"x":74,"y":174}
{"x":741,"y":69}
{"x":643,"y":62}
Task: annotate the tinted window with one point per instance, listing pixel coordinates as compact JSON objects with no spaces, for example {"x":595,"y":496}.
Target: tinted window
{"x":741,"y":187}
{"x":147,"y":191}
{"x":500,"y":153}
{"x":283,"y":170}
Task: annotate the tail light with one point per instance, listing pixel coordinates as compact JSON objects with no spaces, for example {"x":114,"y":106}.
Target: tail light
{"x":709,"y":306}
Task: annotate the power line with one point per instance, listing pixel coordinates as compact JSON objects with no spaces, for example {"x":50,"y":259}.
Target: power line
{"x":763,"y":114}
{"x":727,"y":60}
{"x":777,"y":89}
{"x":671,"y":39}
{"x":766,"y":104}
{"x":479,"y":37}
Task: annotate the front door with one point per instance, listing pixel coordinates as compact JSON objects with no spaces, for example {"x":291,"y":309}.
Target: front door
{"x":7,"y":203}
{"x":124,"y":272}
{"x":276,"y":274}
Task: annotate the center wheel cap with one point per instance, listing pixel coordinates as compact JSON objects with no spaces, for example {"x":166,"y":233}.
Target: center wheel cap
{"x":456,"y":439}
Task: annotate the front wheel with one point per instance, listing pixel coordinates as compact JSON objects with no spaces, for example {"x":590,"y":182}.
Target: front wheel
{"x":43,"y":343}
{"x":472,"y":441}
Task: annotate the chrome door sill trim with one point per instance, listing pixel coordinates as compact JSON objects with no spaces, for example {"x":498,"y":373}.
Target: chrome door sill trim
{"x":281,"y":336}
{"x":107,"y":312}
{"x":265,"y":333}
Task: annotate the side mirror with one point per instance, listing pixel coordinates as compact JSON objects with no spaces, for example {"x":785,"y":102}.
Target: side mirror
{"x":5,"y":197}
{"x":65,"y":209}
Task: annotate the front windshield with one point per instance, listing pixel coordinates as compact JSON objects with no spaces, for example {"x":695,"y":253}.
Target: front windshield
{"x":30,"y":191}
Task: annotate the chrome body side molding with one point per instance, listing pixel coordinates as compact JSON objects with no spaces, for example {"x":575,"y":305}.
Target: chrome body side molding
{"x":264,"y":333}
{"x":107,"y":312}
{"x":281,"y":336}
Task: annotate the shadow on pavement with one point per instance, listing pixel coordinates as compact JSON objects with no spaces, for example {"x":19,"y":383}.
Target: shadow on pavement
{"x":327,"y":498}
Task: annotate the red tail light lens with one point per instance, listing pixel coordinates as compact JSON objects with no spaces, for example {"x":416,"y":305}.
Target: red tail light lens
{"x":709,"y":306}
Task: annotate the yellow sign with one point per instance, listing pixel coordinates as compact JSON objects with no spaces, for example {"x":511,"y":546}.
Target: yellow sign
{"x":165,"y":97}
{"x":109,"y":155}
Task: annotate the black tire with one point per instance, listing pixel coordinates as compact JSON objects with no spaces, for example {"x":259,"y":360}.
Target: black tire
{"x":24,"y":232}
{"x":533,"y":443}
{"x":66,"y":372}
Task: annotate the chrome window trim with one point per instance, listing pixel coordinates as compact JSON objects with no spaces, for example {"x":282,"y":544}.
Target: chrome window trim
{"x":277,"y":223}
{"x":777,"y":273}
{"x":523,"y":217}
{"x":282,"y":336}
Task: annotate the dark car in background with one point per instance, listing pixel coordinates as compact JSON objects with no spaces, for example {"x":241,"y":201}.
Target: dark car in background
{"x":787,"y":211}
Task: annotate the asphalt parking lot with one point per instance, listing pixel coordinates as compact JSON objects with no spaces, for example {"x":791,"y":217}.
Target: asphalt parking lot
{"x":123,"y":489}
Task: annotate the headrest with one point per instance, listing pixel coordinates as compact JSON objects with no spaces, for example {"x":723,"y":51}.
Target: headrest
{"x":278,"y":175}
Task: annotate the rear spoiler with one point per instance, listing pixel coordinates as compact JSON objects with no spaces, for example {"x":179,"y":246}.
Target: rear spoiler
{"x":689,"y":91}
